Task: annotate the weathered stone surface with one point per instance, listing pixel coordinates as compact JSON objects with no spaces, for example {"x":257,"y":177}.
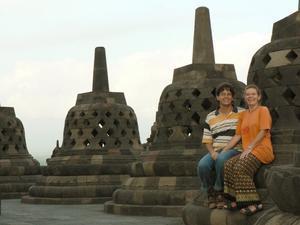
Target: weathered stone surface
{"x":283,"y":183}
{"x":101,"y":139}
{"x":165,"y":179}
{"x":18,"y":169}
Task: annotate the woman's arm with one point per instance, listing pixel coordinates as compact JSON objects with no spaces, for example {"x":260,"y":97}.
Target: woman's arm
{"x":234,"y":140}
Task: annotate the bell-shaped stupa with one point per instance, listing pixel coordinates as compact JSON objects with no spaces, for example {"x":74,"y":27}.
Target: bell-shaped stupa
{"x":166,"y":179}
{"x":18,"y":169}
{"x":101,"y":139}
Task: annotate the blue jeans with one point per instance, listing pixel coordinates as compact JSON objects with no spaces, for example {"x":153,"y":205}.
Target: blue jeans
{"x":207,"y":164}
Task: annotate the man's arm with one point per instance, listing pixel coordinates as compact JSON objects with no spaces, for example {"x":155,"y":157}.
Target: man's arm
{"x":211,"y":151}
{"x":234,"y":140}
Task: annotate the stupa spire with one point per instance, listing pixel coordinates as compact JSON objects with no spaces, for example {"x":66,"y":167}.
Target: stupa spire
{"x":203,"y":50}
{"x":100,"y":78}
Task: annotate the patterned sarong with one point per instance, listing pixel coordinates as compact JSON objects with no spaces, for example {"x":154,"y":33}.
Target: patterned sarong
{"x":238,"y":180}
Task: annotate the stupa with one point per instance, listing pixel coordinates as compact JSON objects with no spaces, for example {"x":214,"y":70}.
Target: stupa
{"x":18,"y":169}
{"x":165,"y":179}
{"x":101,"y":139}
{"x":275,"y":68}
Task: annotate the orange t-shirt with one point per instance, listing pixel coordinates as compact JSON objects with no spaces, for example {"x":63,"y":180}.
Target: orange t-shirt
{"x":249,"y":125}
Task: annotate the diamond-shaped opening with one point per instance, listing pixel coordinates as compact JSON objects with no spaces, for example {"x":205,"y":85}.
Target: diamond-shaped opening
{"x":80,"y":132}
{"x":274,"y":115}
{"x":130,"y":142}
{"x":206,"y":104}
{"x":213,"y":92}
{"x":20,"y":139}
{"x":95,"y":114}
{"x":130,"y":114}
{"x":121,"y":113}
{"x":196,"y":117}
{"x":72,"y":114}
{"x":291,"y":56}
{"x":86,"y":122}
{"x":187,"y":105}
{"x":289,"y":95}
{"x":298,"y":74}
{"x":10,"y":139}
{"x":196,"y":92}
{"x":255,"y":78}
{"x":109,"y":132}
{"x":116,"y":123}
{"x":169,"y":132}
{"x":178,"y":117}
{"x":94,"y":132}
{"x":22,"y":131}
{"x":4,"y":132}
{"x":86,"y":143}
{"x":266,"y":59}
{"x":277,"y":77}
{"x":82,"y":114}
{"x":102,"y":144}
{"x":101,"y":123}
{"x":123,"y":133}
{"x":133,"y":132}
{"x":264,"y":96}
{"x":118,"y":143}
{"x":166,"y":96}
{"x":297,"y":113}
{"x":17,"y":148}
{"x":178,"y":93}
{"x":75,"y":122}
{"x":73,"y":142}
{"x":9,"y":123}
{"x":5,"y":148}
{"x":108,"y":114}
{"x":188,"y":131}
{"x":172,"y":106}
{"x":128,"y":123}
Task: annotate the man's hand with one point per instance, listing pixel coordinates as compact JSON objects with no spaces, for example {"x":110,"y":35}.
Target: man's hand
{"x":214,"y":155}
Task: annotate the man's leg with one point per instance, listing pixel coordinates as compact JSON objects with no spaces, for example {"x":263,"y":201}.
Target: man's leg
{"x":204,"y":169}
{"x":222,"y":158}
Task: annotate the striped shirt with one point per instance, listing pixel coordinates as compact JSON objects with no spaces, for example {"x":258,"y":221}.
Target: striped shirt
{"x":220,"y":128}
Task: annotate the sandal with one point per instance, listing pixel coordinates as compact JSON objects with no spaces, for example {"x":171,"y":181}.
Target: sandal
{"x":212,"y":202}
{"x":229,"y":205}
{"x":251,"y":209}
{"x":220,"y":201}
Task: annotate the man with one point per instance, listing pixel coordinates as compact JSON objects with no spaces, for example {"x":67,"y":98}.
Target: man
{"x":220,"y":126}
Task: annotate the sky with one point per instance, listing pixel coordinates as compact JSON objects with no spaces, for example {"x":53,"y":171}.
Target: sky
{"x":47,"y":52}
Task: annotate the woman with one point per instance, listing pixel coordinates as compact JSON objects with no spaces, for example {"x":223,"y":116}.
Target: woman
{"x":254,"y":129}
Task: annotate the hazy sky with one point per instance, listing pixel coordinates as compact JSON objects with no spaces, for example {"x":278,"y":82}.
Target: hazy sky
{"x":47,"y":50}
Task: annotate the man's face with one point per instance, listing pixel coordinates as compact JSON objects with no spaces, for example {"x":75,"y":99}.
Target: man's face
{"x":225,"y":98}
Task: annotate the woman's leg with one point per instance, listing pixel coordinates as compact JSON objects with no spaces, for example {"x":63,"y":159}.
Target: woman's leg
{"x":229,"y":187}
{"x":245,"y":190}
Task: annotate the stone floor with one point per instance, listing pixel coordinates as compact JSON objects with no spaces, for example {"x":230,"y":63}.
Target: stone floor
{"x":16,"y":213}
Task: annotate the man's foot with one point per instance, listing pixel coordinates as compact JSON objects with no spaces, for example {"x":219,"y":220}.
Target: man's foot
{"x":230,"y":205}
{"x":251,"y":209}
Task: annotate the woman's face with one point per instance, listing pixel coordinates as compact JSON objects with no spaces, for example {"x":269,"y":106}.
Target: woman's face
{"x":251,"y":97}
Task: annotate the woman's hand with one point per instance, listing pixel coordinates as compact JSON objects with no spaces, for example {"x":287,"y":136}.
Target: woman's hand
{"x":246,"y":152}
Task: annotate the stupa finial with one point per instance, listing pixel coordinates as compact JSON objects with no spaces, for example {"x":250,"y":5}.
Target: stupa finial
{"x":203,"y":50}
{"x":100,"y":78}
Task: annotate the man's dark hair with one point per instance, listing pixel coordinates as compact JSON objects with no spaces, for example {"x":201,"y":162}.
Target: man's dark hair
{"x":225,"y":86}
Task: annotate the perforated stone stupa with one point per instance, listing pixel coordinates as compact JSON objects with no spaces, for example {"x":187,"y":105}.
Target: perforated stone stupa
{"x":275,"y":68}
{"x":165,"y":180}
{"x":18,"y":169}
{"x":101,"y":138}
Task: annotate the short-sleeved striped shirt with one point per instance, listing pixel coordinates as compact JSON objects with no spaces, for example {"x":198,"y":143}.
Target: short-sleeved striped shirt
{"x":220,"y":128}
